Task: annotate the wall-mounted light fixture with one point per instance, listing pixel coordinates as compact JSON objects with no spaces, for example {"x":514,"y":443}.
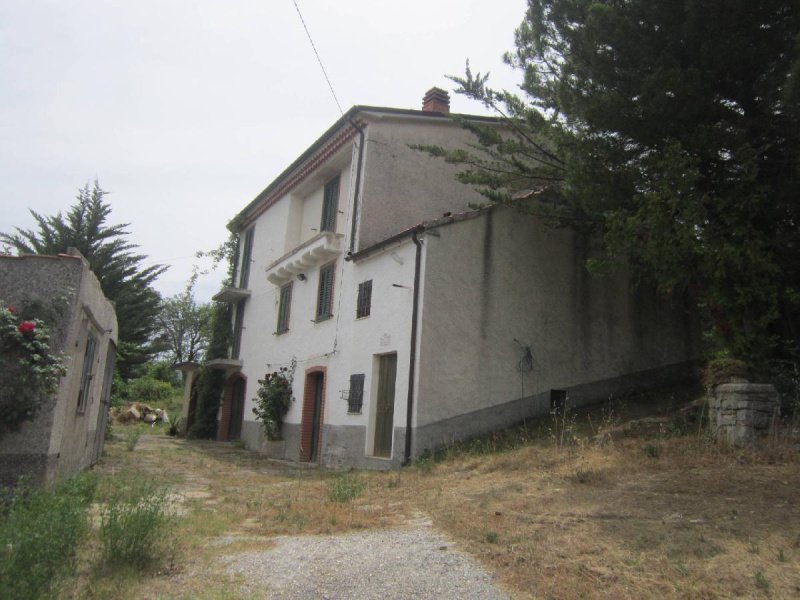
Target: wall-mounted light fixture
{"x":301,"y":276}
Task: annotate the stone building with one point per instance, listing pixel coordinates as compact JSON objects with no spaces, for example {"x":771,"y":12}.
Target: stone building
{"x":67,"y":433}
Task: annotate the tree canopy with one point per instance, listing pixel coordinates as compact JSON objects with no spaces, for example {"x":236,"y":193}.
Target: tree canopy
{"x":184,"y":326}
{"x":123,"y":277}
{"x":672,"y":129}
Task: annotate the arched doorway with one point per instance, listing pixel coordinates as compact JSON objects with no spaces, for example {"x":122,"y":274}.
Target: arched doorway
{"x":230,"y":426}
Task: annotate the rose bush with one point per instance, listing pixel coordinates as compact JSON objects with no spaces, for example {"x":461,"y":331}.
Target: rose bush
{"x":272,"y":401}
{"x":29,"y":370}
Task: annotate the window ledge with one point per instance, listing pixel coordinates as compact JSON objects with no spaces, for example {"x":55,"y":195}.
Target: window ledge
{"x":319,"y":249}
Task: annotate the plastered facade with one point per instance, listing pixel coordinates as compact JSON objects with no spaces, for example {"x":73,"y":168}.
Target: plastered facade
{"x":491,"y":283}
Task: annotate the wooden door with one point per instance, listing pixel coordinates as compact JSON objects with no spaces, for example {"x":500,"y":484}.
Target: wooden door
{"x":237,"y":410}
{"x":384,"y":413}
{"x":316,"y":416}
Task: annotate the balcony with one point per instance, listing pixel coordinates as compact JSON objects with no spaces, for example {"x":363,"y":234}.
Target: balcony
{"x":231,"y":295}
{"x":319,"y":249}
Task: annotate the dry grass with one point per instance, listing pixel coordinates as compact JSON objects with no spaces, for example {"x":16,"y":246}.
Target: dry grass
{"x":588,"y":514}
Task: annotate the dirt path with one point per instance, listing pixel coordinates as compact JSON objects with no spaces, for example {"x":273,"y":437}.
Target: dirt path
{"x":241,"y":506}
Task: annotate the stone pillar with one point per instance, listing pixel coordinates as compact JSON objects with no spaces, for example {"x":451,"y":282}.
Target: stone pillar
{"x":190,"y":371}
{"x":739,"y":413}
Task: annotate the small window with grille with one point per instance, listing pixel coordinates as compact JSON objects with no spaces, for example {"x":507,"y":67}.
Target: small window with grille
{"x":330,"y":204}
{"x":325,"y":293}
{"x":355,"y":400}
{"x":284,"y":308}
{"x":87,"y":375}
{"x":364,"y":301}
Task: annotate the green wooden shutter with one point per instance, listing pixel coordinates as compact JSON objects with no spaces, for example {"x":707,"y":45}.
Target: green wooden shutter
{"x":284,"y":308}
{"x":325,"y":292}
{"x":247,"y":255}
{"x":330,"y":205}
{"x":364,"y":301}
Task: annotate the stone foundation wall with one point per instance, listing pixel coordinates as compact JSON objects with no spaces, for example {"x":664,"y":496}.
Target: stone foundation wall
{"x":740,"y":413}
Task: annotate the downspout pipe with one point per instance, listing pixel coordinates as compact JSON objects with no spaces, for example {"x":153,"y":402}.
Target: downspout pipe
{"x":358,"y":183}
{"x":412,"y":357}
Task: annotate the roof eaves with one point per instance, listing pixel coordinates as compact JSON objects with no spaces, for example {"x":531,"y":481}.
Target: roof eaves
{"x":347,"y":118}
{"x":419,"y":228}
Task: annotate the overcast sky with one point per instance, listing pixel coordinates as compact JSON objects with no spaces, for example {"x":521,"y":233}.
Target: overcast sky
{"x":185,"y":110}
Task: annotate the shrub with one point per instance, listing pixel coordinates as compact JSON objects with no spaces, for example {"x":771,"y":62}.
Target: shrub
{"x":39,"y":536}
{"x":272,"y":401}
{"x":134,"y":524}
{"x":30,"y":370}
{"x":345,"y":488}
{"x":723,"y":370}
{"x":149,"y":390}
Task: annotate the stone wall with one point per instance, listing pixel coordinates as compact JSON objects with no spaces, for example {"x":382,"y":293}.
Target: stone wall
{"x":740,"y":413}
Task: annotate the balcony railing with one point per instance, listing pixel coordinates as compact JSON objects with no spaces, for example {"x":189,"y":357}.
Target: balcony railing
{"x":319,"y":249}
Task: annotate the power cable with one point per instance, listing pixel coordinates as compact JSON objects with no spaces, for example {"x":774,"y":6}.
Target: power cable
{"x":313,"y":46}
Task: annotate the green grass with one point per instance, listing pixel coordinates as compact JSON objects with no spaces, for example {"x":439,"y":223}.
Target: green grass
{"x":135,"y":523}
{"x":345,"y":488}
{"x":40,"y":533}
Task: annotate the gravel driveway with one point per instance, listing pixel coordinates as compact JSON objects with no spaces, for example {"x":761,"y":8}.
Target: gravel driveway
{"x":413,"y":561}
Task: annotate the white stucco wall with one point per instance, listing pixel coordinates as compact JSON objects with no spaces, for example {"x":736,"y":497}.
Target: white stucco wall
{"x":403,"y":187}
{"x":343,"y":344}
{"x":500,"y":277}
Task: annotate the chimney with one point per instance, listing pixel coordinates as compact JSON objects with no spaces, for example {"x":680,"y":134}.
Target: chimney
{"x":436,"y":100}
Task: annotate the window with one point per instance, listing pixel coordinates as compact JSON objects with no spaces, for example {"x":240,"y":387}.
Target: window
{"x":364,"y":299}
{"x":238,"y":325}
{"x":325,"y":292}
{"x":355,"y":400}
{"x":86,"y":376}
{"x":330,"y":205}
{"x":284,"y":308}
{"x":247,"y":254}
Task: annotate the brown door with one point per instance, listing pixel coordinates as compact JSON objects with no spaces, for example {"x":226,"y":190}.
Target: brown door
{"x":384,"y":414}
{"x":311,"y":427}
{"x":237,"y":410}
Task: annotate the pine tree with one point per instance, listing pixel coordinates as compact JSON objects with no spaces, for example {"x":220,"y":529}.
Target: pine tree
{"x":123,"y":278}
{"x":672,"y":129}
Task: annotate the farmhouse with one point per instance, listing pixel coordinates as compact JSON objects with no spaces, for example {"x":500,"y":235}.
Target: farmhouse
{"x":407,"y":317}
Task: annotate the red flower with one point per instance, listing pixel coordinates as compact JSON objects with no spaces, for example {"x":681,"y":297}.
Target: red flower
{"x":26,"y":327}
{"x":11,"y":309}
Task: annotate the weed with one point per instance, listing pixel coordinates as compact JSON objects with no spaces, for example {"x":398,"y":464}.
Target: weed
{"x":132,"y":435}
{"x":393,"y":482}
{"x":652,"y":450}
{"x":134,"y":523}
{"x":425,"y":464}
{"x":174,"y":425}
{"x":491,"y":537}
{"x":40,"y":534}
{"x":345,"y":488}
{"x":761,"y":580}
{"x":781,"y":556}
{"x":753,"y":548}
